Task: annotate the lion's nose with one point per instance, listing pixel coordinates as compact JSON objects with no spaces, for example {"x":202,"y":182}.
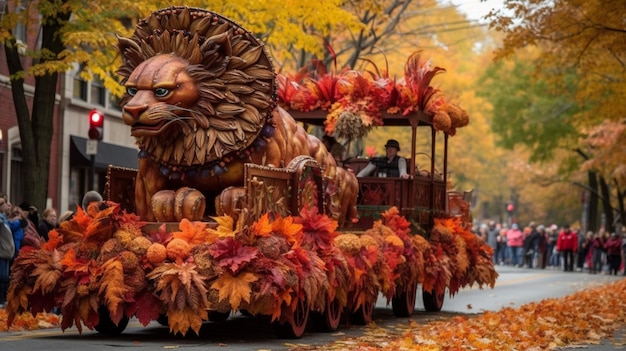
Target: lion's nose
{"x":135,"y":110}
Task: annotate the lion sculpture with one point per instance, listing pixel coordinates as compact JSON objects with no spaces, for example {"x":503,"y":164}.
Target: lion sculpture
{"x":200,"y":100}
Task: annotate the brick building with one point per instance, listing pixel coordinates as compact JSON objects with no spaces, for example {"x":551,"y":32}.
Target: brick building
{"x":70,"y":165}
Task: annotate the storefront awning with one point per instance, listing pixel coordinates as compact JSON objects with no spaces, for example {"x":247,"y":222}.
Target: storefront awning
{"x":108,"y":154}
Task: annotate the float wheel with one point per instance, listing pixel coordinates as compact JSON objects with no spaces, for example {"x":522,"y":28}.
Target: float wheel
{"x":364,"y":314}
{"x":105,"y":324}
{"x":329,"y":320}
{"x":216,"y":316}
{"x":163,"y":320}
{"x":403,"y":301}
{"x":432,"y":300}
{"x":295,"y":323}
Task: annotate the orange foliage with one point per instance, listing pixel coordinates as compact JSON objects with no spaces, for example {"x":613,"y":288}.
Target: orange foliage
{"x":584,"y":317}
{"x":288,"y":229}
{"x":234,"y":289}
{"x":27,"y":321}
{"x":262,"y":227}
{"x":266,"y":267}
{"x":194,"y":233}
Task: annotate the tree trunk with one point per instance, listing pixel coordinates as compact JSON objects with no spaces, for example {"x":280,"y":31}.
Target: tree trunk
{"x":592,"y":213}
{"x":36,"y":129}
{"x":620,"y":203}
{"x":593,"y":222}
{"x":606,"y":205}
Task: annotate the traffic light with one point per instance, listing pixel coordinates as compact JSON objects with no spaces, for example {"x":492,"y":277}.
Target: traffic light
{"x":510,"y":207}
{"x":96,"y":124}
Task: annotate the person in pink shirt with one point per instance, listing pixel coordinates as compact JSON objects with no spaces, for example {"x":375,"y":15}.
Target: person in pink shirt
{"x":515,"y":243}
{"x":567,"y":245}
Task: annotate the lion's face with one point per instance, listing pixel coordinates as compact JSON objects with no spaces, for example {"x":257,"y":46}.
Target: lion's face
{"x":161,"y":97}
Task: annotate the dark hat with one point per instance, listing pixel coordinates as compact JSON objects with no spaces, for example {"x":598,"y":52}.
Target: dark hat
{"x":25,"y":206}
{"x":393,"y":143}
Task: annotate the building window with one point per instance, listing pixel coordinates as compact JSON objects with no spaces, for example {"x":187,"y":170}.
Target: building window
{"x":97,"y":93}
{"x":19,"y":32}
{"x":17,"y":181}
{"x":80,"y":88}
{"x":114,"y":102}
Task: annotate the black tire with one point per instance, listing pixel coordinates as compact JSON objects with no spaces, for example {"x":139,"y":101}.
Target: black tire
{"x":216,"y":316}
{"x":163,"y":320}
{"x":294,"y":326}
{"x":364,"y":314}
{"x":330,"y":319}
{"x":105,"y":324}
{"x":245,"y":313}
{"x":403,"y":301}
{"x":432,"y":301}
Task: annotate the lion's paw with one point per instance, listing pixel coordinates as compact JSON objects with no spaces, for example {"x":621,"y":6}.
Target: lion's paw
{"x":173,"y":206}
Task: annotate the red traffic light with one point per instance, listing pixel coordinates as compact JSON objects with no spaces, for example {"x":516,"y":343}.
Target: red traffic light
{"x":96,"y":123}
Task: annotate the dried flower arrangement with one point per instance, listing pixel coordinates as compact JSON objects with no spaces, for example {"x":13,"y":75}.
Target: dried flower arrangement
{"x":355,"y":101}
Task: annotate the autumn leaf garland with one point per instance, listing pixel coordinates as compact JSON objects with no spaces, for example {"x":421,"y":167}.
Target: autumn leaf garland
{"x":104,"y":259}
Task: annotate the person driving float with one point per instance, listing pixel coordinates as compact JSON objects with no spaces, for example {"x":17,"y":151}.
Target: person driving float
{"x":390,"y":165}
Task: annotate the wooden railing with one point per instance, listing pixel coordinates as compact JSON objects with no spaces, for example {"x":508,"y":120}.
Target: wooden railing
{"x":418,"y":199}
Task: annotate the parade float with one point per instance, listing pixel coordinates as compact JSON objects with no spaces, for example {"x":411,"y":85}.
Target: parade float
{"x":235,"y":207}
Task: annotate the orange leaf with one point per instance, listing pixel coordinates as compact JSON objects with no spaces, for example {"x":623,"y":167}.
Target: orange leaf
{"x":112,"y":285}
{"x":69,"y":259}
{"x":288,"y":229}
{"x":262,"y":227}
{"x":54,"y":240}
{"x":235,"y":289}
{"x":81,"y":218}
{"x":181,"y":320}
{"x":194,"y":233}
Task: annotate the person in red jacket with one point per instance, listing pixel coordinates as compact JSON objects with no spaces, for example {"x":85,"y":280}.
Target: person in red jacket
{"x":567,"y":245}
{"x":613,"y":248}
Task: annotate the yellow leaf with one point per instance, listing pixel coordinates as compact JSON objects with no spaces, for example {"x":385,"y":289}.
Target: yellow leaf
{"x":235,"y":289}
{"x":224,"y":226}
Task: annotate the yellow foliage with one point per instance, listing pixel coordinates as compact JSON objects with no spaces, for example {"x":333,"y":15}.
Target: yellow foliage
{"x":234,"y":289}
{"x":225,"y":226}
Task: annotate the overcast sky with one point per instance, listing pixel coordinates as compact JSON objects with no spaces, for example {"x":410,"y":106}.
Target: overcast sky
{"x":476,"y":9}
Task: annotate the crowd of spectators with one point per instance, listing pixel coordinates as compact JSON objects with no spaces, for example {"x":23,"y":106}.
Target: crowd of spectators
{"x":23,"y":227}
{"x":554,"y":247}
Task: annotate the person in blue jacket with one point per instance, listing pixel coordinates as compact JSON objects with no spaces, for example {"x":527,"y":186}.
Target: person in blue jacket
{"x":16,"y":226}
{"x":18,"y":220}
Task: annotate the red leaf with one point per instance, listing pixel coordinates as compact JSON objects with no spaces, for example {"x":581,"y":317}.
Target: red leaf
{"x":161,"y":235}
{"x":231,"y":254}
{"x":146,"y":308}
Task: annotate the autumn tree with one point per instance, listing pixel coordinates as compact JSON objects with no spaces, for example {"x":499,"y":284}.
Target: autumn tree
{"x":583,"y":40}
{"x":79,"y":33}
{"x":35,"y":124}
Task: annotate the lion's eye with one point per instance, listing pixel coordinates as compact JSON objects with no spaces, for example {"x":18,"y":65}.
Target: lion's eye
{"x":131,"y":91}
{"x":161,"y":92}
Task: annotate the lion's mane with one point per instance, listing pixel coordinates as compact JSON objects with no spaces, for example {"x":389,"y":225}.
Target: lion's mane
{"x":234,"y":78}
